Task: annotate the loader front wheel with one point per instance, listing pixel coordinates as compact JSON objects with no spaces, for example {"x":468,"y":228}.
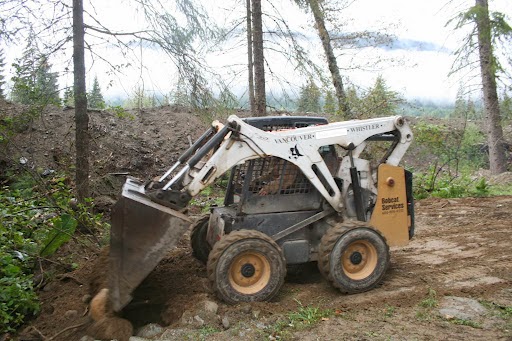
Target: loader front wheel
{"x":246,"y":266}
{"x":200,"y":247}
{"x":354,"y":259}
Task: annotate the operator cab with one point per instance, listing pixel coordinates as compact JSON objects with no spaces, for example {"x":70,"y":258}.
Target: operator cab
{"x":272,"y":184}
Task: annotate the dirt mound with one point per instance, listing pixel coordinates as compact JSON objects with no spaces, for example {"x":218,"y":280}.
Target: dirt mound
{"x":137,"y":143}
{"x":502,"y":179}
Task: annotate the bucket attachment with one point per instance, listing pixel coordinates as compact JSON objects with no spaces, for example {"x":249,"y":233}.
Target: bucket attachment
{"x":142,"y":233}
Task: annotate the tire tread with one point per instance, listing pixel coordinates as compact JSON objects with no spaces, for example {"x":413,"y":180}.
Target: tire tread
{"x":327,"y":244}
{"x":200,"y":248}
{"x":220,"y":247}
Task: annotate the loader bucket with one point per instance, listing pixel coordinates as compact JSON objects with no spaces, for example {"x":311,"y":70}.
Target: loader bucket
{"x":142,"y":233}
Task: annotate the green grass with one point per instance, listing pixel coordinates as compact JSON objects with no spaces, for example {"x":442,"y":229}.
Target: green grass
{"x":500,"y":189}
{"x":281,"y":330}
{"x":463,"y":322}
{"x":308,"y":316}
{"x":305,"y":317}
{"x":206,"y":331}
{"x":371,"y":334}
{"x":426,"y":305}
{"x":431,"y":300}
{"x":502,"y":312}
{"x":506,"y":312}
{"x":389,"y":311}
{"x":423,"y":315}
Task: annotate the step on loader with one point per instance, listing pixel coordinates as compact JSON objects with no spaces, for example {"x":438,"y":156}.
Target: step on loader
{"x":299,"y":190}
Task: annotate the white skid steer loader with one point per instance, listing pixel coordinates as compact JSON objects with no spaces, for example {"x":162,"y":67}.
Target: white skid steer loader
{"x":300,"y":190}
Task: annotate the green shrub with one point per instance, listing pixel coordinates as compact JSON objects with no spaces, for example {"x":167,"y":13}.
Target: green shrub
{"x":441,"y":185}
{"x":121,"y":113}
{"x":63,"y":228}
{"x":35,"y":220}
{"x":450,"y":157}
{"x":17,"y":297}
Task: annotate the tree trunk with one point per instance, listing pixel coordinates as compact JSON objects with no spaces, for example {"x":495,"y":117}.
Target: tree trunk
{"x":81,"y":116}
{"x":331,"y":59}
{"x":488,"y":72}
{"x":259,"y":69}
{"x":249,"y":58}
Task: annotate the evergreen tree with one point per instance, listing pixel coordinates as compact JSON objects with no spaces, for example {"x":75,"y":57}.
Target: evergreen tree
{"x":318,"y":9}
{"x":180,"y":96}
{"x":227,"y":99}
{"x":33,"y":81}
{"x":472,"y":113}
{"x":380,"y":100}
{"x":464,"y":108}
{"x":506,"y":107}
{"x":461,"y":106}
{"x":24,"y":78}
{"x":153,"y":101}
{"x":354,"y":101}
{"x":2,"y":77}
{"x":95,"y":98}
{"x":486,"y":31}
{"x":139,"y":100}
{"x":330,"y":103}
{"x":309,"y":100}
{"x":46,"y":87}
{"x":69,"y":97}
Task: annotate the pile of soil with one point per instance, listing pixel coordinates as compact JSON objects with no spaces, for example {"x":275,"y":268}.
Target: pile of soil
{"x":137,"y":143}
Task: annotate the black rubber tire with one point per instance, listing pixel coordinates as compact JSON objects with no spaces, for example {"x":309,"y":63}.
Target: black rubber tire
{"x":323,"y":252}
{"x":200,"y":247}
{"x":335,"y":262}
{"x":232,"y":253}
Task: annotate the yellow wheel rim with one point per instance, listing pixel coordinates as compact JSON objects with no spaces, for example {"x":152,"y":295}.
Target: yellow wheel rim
{"x":359,"y":260}
{"x":249,"y":272}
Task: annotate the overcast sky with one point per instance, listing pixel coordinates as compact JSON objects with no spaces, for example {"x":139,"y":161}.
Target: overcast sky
{"x":419,"y":60}
{"x":424,"y":42}
{"x":416,"y":64}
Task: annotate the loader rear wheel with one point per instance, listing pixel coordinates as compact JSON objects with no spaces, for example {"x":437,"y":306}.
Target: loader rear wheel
{"x":353,"y":258}
{"x":246,"y":266}
{"x":200,"y":247}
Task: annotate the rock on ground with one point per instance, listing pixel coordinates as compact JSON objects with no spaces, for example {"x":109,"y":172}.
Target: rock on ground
{"x":461,"y":308}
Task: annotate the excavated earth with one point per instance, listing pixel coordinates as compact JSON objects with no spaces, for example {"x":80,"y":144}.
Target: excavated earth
{"x":462,"y":249}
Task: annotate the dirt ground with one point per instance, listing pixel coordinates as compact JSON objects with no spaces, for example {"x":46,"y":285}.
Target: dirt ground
{"x":462,"y":248}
